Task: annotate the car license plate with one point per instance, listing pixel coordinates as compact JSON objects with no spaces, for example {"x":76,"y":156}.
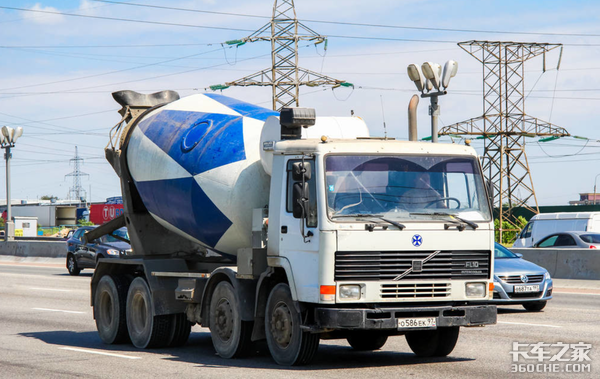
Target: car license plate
{"x":529,"y":288}
{"x":422,"y":322}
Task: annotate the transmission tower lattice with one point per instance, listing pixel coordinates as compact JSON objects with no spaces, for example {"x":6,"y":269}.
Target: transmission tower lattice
{"x":504,"y":124}
{"x":76,"y":192}
{"x":284,"y":75}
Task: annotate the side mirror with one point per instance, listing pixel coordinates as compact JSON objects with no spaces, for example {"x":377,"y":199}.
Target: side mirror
{"x":519,"y":255}
{"x":300,"y":169}
{"x":299,"y":199}
{"x":490,"y":192}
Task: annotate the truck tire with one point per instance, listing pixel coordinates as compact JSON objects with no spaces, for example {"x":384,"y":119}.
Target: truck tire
{"x":110,"y":302}
{"x":145,"y":329}
{"x":535,"y":307}
{"x":72,"y":266}
{"x":230,"y":335}
{"x":288,"y":343}
{"x":180,"y":330}
{"x":362,"y":340}
{"x":433,"y":343}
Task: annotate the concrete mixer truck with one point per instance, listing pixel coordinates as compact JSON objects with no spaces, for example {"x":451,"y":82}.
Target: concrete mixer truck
{"x":289,"y":228}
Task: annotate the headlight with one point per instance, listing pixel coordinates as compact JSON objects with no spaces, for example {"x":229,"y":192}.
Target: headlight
{"x":547,"y":275}
{"x":475,"y":289}
{"x":112,"y":252}
{"x":350,"y":291}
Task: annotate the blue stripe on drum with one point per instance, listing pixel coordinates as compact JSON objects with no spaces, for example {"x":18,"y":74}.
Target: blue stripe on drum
{"x":197,"y":141}
{"x":204,"y":221}
{"x":245,"y":109}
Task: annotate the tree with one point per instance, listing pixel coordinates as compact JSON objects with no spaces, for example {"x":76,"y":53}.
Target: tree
{"x":84,"y":222}
{"x":509,"y":237}
{"x":48,"y":197}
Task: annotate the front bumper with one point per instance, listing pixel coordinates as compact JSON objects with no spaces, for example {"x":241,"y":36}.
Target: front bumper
{"x":504,"y":293}
{"x":387,"y":318}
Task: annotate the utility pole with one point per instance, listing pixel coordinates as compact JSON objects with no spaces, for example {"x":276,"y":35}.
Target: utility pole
{"x":8,"y":137}
{"x":504,"y":124}
{"x":284,"y":76}
{"x":76,"y":192}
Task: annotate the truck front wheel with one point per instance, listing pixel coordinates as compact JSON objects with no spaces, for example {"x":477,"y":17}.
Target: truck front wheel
{"x":288,"y":343}
{"x":433,"y":343}
{"x":230,"y":335}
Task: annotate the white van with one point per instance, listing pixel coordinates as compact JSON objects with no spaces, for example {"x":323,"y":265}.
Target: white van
{"x":544,"y":224}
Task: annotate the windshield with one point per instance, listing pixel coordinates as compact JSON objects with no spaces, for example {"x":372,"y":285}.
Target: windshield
{"x":404,"y":187}
{"x":119,"y":232}
{"x":502,"y":252}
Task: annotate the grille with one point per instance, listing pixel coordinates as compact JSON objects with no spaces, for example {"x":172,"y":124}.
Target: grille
{"x":387,"y":265}
{"x":402,"y":291}
{"x":525,"y":294}
{"x":516,"y":279}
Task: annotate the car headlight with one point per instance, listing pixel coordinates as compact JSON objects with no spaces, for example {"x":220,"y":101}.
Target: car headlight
{"x":475,"y":289}
{"x":547,"y":275}
{"x":349,"y":291}
{"x":112,"y":252}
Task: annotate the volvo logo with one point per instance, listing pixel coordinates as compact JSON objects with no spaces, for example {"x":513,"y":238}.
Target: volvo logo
{"x":524,"y":278}
{"x":417,"y":240}
{"x":417,"y":265}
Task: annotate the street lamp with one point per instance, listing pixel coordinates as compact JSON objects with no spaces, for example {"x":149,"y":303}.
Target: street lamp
{"x":8,"y":137}
{"x":431,"y":77}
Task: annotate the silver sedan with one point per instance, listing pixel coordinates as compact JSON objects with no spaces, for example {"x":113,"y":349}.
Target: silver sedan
{"x":520,"y":282}
{"x":585,"y":240}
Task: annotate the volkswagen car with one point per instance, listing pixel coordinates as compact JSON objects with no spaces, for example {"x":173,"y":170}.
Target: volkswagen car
{"x":520,"y":282}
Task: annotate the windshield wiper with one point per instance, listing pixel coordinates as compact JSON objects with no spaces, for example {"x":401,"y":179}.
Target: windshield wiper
{"x":462,"y":220}
{"x":371,"y":227}
{"x":395,"y":223}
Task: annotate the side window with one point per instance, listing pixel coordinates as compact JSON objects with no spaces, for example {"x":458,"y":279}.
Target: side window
{"x":526,"y":233}
{"x":565,"y":240}
{"x":78,"y":234}
{"x":311,"y":216}
{"x":548,"y":242}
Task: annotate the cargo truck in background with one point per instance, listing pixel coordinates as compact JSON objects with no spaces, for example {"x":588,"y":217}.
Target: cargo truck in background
{"x":289,"y":228}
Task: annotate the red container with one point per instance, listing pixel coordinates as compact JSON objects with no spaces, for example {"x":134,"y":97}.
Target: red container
{"x":101,"y":213}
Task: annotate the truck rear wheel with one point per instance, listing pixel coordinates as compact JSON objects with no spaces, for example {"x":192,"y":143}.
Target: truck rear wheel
{"x":145,"y":329}
{"x":362,"y":340}
{"x":433,"y":343}
{"x":288,"y":343}
{"x":110,"y":302}
{"x":180,"y":331}
{"x":230,"y":335}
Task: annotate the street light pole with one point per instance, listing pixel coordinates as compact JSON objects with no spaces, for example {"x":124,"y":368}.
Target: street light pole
{"x":8,"y":137}
{"x":595,"y":179}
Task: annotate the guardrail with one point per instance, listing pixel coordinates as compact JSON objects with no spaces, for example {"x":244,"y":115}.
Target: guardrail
{"x":565,"y":263}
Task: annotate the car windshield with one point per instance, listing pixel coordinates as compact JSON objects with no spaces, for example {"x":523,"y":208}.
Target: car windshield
{"x":404,"y":187}
{"x":119,"y":232}
{"x":502,"y":252}
{"x":590,"y":238}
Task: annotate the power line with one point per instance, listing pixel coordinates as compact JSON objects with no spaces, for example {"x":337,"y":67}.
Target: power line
{"x":355,"y":23}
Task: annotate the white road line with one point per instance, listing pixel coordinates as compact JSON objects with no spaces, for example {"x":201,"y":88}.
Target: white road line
{"x":99,"y":353}
{"x":577,"y":293}
{"x":56,"y":310}
{"x":522,"y":323}
{"x":48,"y":289}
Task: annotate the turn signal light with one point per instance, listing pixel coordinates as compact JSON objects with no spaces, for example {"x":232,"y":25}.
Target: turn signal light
{"x":327,"y":290}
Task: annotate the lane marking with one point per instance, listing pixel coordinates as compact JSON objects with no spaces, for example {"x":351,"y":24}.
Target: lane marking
{"x":523,"y":323}
{"x":48,"y":289}
{"x":99,"y":353}
{"x":57,"y":310}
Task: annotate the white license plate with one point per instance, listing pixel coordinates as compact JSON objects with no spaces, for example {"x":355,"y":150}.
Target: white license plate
{"x":422,"y":322}
{"x":529,"y":288}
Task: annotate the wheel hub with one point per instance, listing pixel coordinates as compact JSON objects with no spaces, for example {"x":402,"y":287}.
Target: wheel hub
{"x":224,"y":320}
{"x":71,"y":264}
{"x":282,"y":325}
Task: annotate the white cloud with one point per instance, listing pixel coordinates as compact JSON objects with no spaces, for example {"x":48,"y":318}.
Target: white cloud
{"x":44,"y":18}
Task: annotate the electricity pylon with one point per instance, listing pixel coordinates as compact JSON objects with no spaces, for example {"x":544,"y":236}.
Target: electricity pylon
{"x":504,"y":123}
{"x":284,"y":75}
{"x":76,"y":192}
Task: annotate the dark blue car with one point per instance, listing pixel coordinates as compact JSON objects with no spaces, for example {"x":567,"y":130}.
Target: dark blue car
{"x":82,"y":255}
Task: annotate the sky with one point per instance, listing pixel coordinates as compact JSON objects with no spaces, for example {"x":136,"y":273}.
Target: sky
{"x":58,"y":70}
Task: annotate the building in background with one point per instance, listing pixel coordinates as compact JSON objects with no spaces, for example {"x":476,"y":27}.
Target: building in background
{"x":588,"y":198}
